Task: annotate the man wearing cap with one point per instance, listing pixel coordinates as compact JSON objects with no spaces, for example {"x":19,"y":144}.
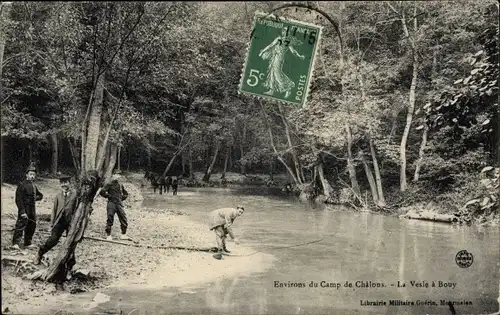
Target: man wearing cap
{"x":221,"y":221}
{"x":26,"y":195}
{"x":115,"y":193}
{"x":65,"y":205}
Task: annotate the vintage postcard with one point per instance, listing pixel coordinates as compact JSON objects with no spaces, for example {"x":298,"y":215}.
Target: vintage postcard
{"x":203,"y":157}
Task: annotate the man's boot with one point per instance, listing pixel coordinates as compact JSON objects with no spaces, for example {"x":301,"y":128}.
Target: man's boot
{"x":224,"y":249}
{"x":38,"y":259}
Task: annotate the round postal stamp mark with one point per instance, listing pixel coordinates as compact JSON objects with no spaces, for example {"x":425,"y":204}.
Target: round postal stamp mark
{"x":280,"y":59}
{"x":464,"y":259}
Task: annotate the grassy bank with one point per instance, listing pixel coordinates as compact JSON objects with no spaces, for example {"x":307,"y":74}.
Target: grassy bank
{"x":109,"y":265}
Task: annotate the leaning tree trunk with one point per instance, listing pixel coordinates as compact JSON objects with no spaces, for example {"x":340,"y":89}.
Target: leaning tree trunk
{"x":169,"y":165}
{"x":411,"y":106}
{"x":176,"y":154}
{"x":371,"y":180}
{"x":89,"y":184}
{"x":55,"y":153}
{"x":208,"y":172}
{"x":327,"y":188}
{"x":65,"y":259}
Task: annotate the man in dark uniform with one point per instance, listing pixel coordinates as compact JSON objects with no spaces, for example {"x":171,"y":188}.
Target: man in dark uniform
{"x":175,"y":185}
{"x":26,"y":195}
{"x":115,"y":193}
{"x":65,"y":205}
{"x":169,"y":183}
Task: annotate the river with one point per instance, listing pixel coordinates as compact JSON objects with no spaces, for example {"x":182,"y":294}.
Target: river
{"x":351,"y":253}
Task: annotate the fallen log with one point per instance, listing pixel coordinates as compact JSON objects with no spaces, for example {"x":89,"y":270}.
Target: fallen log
{"x":430,"y":216}
{"x":16,"y":258}
{"x":135,"y":244}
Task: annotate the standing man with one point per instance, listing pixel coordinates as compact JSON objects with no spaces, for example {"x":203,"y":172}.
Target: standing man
{"x":175,"y":185}
{"x":221,"y":221}
{"x":115,"y":193}
{"x":169,"y":183}
{"x":26,"y":195}
{"x":65,"y":205}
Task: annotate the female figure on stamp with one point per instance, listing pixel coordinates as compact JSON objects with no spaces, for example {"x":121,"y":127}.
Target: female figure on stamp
{"x":277,"y":80}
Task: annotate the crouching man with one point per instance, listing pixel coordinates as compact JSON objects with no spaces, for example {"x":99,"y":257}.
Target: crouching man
{"x":64,"y":206}
{"x":221,"y":221}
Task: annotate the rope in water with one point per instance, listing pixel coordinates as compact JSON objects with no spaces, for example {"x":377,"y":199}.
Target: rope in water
{"x":279,"y":247}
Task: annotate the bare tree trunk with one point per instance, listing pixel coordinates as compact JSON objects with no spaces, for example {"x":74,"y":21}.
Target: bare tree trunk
{"x":371,"y":180}
{"x":89,"y":184}
{"x":230,"y":162}
{"x":183,"y":162}
{"x":176,"y":154}
{"x":170,"y":163}
{"x":327,"y":188}
{"x":2,"y":49}
{"x":421,"y":152}
{"x":129,"y":157}
{"x":299,"y":174}
{"x":94,"y":126}
{"x":243,"y":137}
{"x":74,"y":156}
{"x":65,"y":259}
{"x":378,"y":178}
{"x":350,"y":164}
{"x":113,"y":153}
{"x":190,"y":161}
{"x":55,"y":153}
{"x":411,"y":105}
{"x":148,"y":153}
{"x":208,"y":172}
{"x":271,"y":169}
{"x":30,"y":151}
{"x":226,"y":159}
{"x":278,"y":155}
{"x":118,"y":159}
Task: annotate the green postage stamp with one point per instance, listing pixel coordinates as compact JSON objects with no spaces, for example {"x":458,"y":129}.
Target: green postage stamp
{"x":280,"y":59}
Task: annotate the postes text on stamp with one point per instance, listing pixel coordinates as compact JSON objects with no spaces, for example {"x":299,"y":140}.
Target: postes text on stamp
{"x":280,"y":59}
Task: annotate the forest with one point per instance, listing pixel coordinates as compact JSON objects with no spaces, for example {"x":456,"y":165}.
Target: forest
{"x":403,"y":108}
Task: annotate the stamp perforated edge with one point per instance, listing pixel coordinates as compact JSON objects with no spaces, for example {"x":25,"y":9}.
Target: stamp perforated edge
{"x":313,"y":63}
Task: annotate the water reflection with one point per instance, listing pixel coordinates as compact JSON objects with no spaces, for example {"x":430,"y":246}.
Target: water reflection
{"x":354,"y":247}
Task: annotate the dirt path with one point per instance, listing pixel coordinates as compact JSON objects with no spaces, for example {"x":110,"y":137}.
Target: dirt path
{"x":117,"y":266}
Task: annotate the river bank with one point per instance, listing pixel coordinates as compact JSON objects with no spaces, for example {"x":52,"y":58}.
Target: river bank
{"x":103,"y":265}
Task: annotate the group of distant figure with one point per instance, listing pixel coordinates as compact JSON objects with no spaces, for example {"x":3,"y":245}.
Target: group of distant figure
{"x":162,"y":183}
